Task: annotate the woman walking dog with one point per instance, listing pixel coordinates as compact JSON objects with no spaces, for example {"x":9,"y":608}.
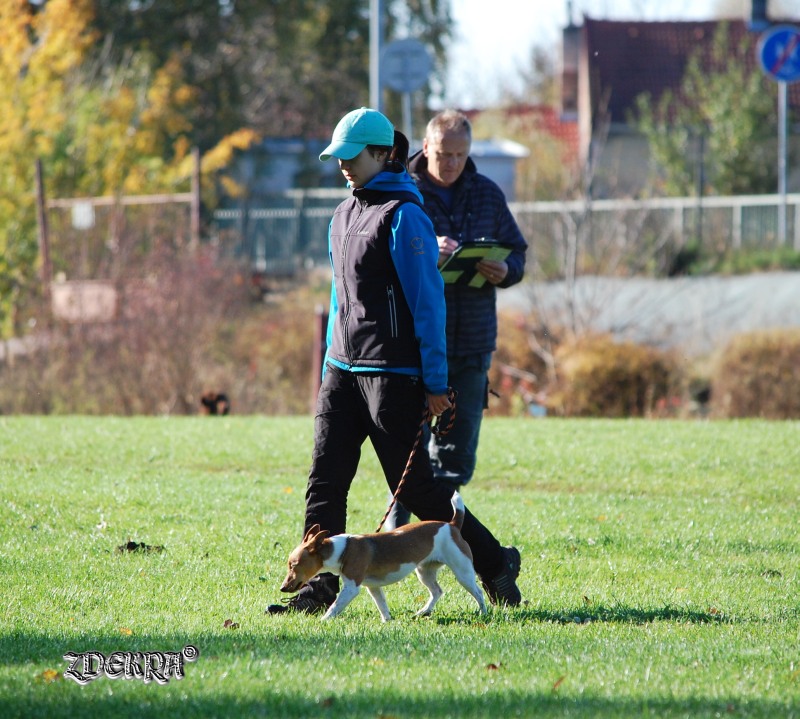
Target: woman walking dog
{"x":386,"y":355}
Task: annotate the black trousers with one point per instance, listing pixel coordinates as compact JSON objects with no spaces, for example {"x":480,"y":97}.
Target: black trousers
{"x":387,"y":409}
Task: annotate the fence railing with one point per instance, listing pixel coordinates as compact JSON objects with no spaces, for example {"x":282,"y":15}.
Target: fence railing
{"x":282,"y":233}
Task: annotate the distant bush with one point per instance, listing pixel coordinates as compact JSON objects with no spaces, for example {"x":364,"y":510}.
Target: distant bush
{"x":270,"y":355}
{"x":598,"y":377}
{"x":743,"y":262}
{"x":691,"y":260}
{"x":517,"y":373}
{"x":184,"y":326}
{"x":758,"y":375}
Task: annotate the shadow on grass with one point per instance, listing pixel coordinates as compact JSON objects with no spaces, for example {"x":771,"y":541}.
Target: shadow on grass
{"x":202,"y":692}
{"x":611,"y":615}
{"x":626,"y":615}
{"x":16,"y":647}
{"x":96,"y":700}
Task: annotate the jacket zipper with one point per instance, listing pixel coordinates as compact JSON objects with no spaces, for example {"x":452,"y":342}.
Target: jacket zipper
{"x":392,"y":311}
{"x":346,"y":288}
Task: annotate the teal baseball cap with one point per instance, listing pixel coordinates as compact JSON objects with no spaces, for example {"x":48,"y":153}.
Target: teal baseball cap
{"x":355,"y":131}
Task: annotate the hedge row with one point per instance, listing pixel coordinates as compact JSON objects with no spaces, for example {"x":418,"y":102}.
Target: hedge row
{"x":756,"y":374}
{"x":191,"y":328}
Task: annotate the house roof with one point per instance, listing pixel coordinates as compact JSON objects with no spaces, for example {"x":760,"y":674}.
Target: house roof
{"x":627,"y":59}
{"x":533,"y":119}
{"x":549,"y":120}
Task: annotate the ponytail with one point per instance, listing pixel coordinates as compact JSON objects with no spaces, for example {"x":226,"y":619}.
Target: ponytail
{"x":397,"y":154}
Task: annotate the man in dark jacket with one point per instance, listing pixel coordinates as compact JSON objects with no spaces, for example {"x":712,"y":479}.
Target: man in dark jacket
{"x":463,"y":206}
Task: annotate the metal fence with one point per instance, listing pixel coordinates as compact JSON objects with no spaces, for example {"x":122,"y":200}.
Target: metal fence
{"x":280,"y":234}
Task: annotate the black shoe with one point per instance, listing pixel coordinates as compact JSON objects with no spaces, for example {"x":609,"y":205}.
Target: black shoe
{"x":305,"y":604}
{"x":503,"y":588}
{"x":314,"y":598}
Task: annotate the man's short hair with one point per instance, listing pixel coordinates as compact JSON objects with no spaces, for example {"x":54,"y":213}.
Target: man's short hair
{"x":448,"y":121}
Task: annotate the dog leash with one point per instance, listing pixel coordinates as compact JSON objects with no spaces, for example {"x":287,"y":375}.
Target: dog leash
{"x":436,"y":429}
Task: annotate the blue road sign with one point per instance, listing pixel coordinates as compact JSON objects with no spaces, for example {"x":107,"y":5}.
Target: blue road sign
{"x":779,"y":53}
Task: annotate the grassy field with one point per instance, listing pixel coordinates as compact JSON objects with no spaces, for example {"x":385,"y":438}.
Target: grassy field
{"x":660,"y":574}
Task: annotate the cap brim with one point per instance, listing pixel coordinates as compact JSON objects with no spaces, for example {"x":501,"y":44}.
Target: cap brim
{"x":341,"y":150}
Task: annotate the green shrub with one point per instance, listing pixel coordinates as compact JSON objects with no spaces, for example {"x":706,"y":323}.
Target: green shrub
{"x":599,"y":377}
{"x":759,"y":260}
{"x":758,"y":375}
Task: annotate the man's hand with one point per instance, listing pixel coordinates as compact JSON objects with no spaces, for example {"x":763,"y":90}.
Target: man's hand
{"x":446,"y":247}
{"x":494,"y":271}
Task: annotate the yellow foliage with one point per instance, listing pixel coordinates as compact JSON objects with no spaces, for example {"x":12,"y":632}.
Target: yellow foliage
{"x":127,"y":133}
{"x":139,"y":131}
{"x":220,"y":156}
{"x":37,"y":51}
{"x":231,"y":187}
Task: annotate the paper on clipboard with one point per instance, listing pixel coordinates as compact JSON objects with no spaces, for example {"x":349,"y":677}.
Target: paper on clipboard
{"x":459,"y":268}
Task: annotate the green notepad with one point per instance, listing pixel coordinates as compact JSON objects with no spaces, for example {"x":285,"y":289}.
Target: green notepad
{"x":459,"y":268}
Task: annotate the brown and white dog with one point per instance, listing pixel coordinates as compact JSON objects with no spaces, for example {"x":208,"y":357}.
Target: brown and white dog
{"x":376,"y":560}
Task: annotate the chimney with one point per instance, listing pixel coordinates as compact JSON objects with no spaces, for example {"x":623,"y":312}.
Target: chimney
{"x":570,"y":48}
{"x":758,"y":16}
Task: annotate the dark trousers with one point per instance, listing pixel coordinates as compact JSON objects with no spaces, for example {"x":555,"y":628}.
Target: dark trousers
{"x":387,"y":409}
{"x":454,"y":455}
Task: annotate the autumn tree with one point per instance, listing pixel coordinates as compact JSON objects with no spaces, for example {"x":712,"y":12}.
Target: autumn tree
{"x":99,"y":128}
{"x":285,"y":68}
{"x":38,"y":53}
{"x":548,"y":172}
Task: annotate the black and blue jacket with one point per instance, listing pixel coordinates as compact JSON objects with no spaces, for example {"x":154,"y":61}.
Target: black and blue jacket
{"x":387,"y":310}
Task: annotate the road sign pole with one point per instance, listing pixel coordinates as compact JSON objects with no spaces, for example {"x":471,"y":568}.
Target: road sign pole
{"x":779,"y":55}
{"x":782,"y":124}
{"x":375,"y":49}
{"x":407,"y":125}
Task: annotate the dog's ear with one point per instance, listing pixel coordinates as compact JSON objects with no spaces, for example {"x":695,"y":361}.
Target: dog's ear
{"x":316,"y":541}
{"x":310,"y":533}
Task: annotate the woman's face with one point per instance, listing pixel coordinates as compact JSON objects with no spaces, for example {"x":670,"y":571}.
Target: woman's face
{"x":363,"y":167}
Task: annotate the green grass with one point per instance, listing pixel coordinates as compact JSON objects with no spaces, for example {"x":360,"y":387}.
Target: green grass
{"x":660,"y":573}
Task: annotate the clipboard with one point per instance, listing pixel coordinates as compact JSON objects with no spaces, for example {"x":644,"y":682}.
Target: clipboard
{"x":459,"y":268}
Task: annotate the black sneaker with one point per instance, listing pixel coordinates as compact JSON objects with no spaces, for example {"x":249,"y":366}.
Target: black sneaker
{"x":503,"y":588}
{"x":314,"y":598}
{"x":298,"y":603}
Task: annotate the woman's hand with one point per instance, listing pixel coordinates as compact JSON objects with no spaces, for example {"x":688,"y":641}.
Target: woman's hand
{"x":438,"y":403}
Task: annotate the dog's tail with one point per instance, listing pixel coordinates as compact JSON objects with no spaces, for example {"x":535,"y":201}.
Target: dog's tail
{"x":458,"y":510}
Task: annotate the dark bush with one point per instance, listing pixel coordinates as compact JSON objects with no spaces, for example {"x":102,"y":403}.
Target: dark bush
{"x":758,"y":375}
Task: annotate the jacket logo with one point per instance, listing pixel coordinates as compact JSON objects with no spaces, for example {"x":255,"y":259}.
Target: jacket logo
{"x":417,"y":244}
